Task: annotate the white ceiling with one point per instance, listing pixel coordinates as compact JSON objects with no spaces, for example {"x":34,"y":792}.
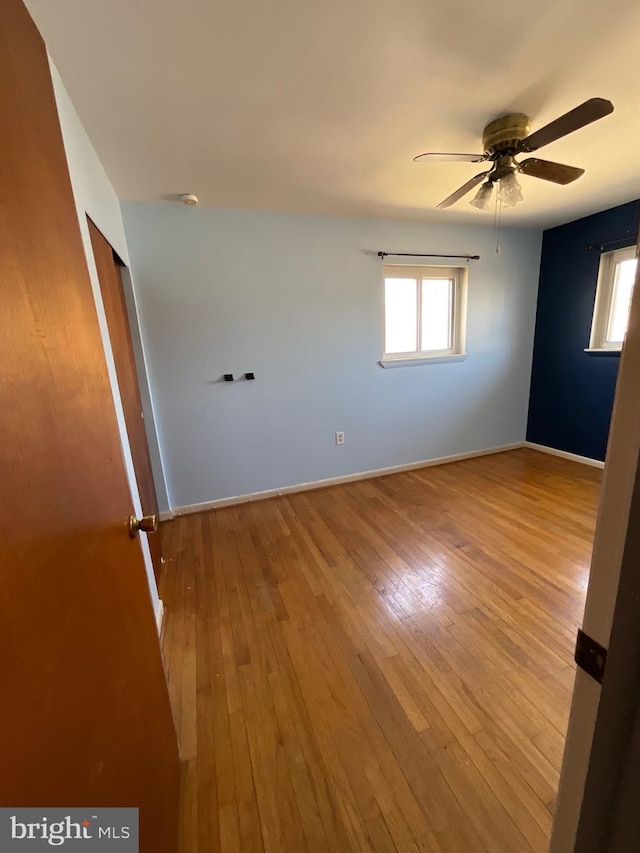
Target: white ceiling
{"x":319,"y":105}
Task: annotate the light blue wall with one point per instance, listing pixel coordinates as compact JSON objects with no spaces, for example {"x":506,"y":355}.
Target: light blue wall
{"x":298,"y":300}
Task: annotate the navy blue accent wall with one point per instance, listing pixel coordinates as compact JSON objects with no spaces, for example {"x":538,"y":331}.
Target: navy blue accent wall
{"x":572,"y":391}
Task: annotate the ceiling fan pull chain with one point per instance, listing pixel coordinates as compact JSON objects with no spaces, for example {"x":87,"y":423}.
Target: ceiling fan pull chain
{"x":497,"y":218}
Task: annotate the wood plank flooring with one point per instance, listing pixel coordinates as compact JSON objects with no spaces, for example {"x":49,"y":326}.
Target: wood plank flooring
{"x":380,"y":666}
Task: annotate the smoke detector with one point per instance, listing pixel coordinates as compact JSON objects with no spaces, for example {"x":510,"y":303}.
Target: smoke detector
{"x":189,"y":198}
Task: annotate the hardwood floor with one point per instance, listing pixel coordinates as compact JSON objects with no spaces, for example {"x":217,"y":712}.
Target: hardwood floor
{"x":384,"y":665}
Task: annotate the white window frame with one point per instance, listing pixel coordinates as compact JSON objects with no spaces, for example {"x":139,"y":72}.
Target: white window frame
{"x":604,"y":299}
{"x":456,"y":352}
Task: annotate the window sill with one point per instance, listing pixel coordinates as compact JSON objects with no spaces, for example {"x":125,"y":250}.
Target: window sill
{"x":601,"y":351}
{"x":414,"y":362}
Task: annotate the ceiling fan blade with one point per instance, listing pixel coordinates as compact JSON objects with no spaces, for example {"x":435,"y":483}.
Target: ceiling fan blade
{"x":450,"y":158}
{"x":464,"y":189}
{"x":586,"y":113}
{"x":549,"y":171}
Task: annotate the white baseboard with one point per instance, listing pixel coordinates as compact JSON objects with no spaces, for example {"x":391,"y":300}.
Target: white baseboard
{"x":564,"y":454}
{"x":332,"y":481}
{"x":159,"y":616}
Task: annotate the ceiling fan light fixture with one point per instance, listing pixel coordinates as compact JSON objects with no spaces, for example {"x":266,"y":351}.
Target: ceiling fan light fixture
{"x":510,"y":191}
{"x":482,"y":197}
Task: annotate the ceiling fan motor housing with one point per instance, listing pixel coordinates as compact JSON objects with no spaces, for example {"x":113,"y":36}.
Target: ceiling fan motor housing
{"x":504,"y":133}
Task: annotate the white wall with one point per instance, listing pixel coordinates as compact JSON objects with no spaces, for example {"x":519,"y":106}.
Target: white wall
{"x":298,"y":300}
{"x":94,"y":196}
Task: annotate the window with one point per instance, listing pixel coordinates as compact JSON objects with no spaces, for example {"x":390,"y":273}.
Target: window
{"x":613,"y":299}
{"x":423,"y":313}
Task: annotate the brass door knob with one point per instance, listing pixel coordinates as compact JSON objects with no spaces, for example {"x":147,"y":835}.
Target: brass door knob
{"x":148,"y":523}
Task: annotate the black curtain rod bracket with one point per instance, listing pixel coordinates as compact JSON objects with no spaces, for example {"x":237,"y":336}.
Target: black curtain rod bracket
{"x":603,"y":247}
{"x":467,"y":258}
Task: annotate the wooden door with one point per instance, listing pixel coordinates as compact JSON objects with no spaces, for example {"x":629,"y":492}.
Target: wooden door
{"x":115,"y":306}
{"x":84,"y":711}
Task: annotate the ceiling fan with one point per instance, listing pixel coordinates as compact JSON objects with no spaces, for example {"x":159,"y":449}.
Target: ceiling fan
{"x":508,"y":136}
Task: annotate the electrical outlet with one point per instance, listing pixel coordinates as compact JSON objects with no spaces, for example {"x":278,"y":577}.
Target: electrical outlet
{"x":339,"y":438}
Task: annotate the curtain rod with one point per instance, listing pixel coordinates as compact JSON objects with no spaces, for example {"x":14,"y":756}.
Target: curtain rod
{"x":600,"y":246}
{"x":418,"y":255}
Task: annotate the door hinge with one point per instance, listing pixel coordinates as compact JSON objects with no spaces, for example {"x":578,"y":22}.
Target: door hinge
{"x":590,"y":656}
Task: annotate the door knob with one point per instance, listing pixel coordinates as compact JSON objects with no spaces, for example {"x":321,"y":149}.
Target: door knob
{"x":148,"y":523}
